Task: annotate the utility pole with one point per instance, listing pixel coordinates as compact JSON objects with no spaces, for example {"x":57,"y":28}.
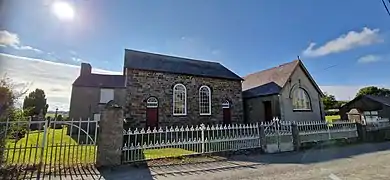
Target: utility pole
{"x":55,"y":115}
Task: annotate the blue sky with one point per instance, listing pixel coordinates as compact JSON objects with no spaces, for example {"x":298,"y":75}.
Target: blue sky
{"x":352,"y":37}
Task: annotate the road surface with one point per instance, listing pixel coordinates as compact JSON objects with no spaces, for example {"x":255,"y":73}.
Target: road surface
{"x":356,"y":162}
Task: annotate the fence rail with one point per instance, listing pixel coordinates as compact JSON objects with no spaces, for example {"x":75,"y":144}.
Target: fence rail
{"x":314,"y":131}
{"x":141,"y":144}
{"x":382,"y":123}
{"x":170,"y":142}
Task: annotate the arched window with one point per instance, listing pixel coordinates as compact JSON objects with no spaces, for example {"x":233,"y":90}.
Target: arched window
{"x":204,"y":100}
{"x":226,"y":105}
{"x":301,"y":100}
{"x":152,"y":102}
{"x":179,"y":100}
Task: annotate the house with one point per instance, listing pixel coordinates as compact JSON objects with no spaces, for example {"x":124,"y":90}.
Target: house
{"x":164,"y":90}
{"x":287,"y":91}
{"x":91,"y":91}
{"x":367,"y":107}
{"x":159,"y":90}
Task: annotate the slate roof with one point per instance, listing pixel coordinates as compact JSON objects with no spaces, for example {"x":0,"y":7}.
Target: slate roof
{"x":380,"y":99}
{"x":178,"y":65}
{"x":271,"y":81}
{"x":100,"y":80}
{"x":264,"y":90}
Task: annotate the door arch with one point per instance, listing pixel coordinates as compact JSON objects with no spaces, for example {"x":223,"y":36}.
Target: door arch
{"x":226,"y":112}
{"x":152,"y":112}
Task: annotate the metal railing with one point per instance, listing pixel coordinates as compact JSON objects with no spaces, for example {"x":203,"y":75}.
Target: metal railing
{"x":141,"y":144}
{"x":45,"y":144}
{"x":144,"y":144}
{"x":278,"y":135}
{"x":383,"y":123}
{"x":314,"y":131}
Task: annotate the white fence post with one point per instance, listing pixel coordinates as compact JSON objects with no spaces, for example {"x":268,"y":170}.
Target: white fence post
{"x":202,"y":127}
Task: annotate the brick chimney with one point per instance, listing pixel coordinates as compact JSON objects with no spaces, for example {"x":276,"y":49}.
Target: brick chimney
{"x":86,"y":69}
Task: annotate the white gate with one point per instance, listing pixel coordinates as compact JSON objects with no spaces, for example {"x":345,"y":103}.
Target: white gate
{"x":45,"y":146}
{"x":278,"y":136}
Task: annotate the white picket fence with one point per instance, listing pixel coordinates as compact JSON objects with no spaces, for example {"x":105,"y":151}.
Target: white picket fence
{"x":179,"y":141}
{"x":314,"y":131}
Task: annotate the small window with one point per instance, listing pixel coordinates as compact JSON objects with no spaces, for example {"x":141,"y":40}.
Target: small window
{"x":204,"y":100}
{"x":152,"y":102}
{"x":106,"y":95}
{"x":301,"y":100}
{"x":179,"y":100}
{"x":371,"y":116}
{"x":226,"y":105}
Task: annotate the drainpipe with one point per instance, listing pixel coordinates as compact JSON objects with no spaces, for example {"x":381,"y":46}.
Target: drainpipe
{"x":281,"y":107}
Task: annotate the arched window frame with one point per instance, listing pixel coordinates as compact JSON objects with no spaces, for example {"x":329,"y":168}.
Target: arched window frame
{"x":205,"y":100}
{"x":301,"y":94}
{"x":226,"y":104}
{"x":182,"y":111}
{"x":152,"y":102}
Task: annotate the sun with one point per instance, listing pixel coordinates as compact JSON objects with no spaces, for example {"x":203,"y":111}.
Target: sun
{"x":63,"y":10}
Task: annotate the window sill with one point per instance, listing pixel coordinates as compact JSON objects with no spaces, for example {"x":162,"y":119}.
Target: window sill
{"x":205,"y":114}
{"x":302,"y":110}
{"x":179,"y":114}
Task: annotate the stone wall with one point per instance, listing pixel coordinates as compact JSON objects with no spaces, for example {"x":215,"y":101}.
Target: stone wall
{"x":144,"y":84}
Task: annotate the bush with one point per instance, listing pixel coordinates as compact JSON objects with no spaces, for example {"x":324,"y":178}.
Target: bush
{"x":331,"y":113}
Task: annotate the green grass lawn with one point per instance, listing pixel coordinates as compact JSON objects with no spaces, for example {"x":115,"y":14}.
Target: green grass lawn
{"x":59,"y":148}
{"x":166,"y":152}
{"x":331,"y":118}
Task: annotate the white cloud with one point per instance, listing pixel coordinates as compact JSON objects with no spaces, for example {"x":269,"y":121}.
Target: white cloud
{"x":342,"y":92}
{"x":76,"y":59}
{"x":28,"y":48}
{"x":12,"y":40}
{"x":54,"y":78}
{"x":369,"y":59}
{"x":8,"y":39}
{"x":345,"y":42}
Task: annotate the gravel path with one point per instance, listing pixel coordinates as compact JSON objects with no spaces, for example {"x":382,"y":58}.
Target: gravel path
{"x":357,"y":162}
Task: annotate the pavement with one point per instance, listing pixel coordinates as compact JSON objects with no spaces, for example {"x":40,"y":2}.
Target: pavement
{"x":354,"y":162}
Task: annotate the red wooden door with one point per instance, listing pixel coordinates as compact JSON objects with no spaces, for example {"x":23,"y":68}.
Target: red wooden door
{"x":151,"y":118}
{"x":226,"y":116}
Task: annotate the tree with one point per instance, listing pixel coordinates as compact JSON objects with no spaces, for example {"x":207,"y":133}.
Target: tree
{"x":330,"y":101}
{"x":373,"y":90}
{"x":8,"y":97}
{"x":35,"y":103}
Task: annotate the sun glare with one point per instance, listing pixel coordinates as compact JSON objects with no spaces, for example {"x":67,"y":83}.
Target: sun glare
{"x":63,"y":10}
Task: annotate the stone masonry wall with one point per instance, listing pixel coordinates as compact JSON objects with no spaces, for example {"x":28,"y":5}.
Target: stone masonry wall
{"x":144,"y":84}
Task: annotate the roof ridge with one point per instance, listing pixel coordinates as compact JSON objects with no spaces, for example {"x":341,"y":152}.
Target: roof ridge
{"x":272,"y":68}
{"x":179,"y":58}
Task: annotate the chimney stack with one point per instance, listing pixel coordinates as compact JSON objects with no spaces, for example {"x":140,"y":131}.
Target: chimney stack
{"x":86,"y":69}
